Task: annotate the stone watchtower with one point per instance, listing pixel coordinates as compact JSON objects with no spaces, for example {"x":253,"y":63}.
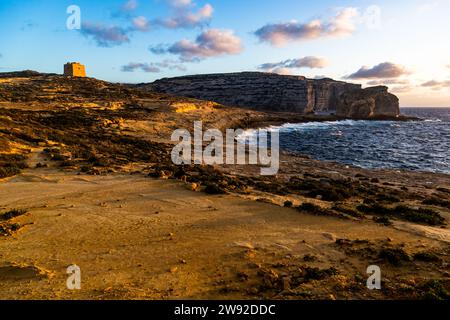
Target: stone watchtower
{"x":74,"y":69}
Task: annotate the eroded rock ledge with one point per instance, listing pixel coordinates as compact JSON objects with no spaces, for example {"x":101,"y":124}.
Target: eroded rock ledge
{"x":278,"y":93}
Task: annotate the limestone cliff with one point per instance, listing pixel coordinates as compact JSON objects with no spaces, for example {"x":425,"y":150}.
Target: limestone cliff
{"x":260,"y":91}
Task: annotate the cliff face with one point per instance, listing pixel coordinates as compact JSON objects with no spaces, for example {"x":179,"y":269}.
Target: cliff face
{"x":272,"y":92}
{"x":368,"y":103}
{"x":260,"y":91}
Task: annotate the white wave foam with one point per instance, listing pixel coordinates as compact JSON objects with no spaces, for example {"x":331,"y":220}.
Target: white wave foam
{"x":289,"y":127}
{"x":432,"y":120}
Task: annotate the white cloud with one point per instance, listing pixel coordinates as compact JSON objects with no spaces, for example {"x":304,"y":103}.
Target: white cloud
{"x":341,"y":25}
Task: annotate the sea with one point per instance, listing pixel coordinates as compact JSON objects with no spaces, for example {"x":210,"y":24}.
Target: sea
{"x":412,"y":145}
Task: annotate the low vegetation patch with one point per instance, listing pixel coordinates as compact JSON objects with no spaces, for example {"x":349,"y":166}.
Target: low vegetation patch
{"x":11,"y":164}
{"x":318,"y":274}
{"x":348,"y":211}
{"x":326,"y":189}
{"x":55,"y":154}
{"x":7,"y":229}
{"x":382,"y":220}
{"x":9,"y":171}
{"x":426,"y":256}
{"x":420,"y":215}
{"x":271,"y":187}
{"x":8,"y":215}
{"x":288,"y":204}
{"x":395,"y":256}
{"x":319,"y":211}
{"x":313,"y":209}
{"x":444,"y":190}
{"x":436,"y":290}
{"x":435,"y":201}
{"x":214,"y":189}
{"x":388,"y":198}
{"x":291,"y":277}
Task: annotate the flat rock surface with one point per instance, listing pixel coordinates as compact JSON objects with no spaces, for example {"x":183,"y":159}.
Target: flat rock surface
{"x":135,"y":237}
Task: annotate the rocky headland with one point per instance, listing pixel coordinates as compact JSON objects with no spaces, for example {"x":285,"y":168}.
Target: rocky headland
{"x":280,"y":93}
{"x":368,"y":103}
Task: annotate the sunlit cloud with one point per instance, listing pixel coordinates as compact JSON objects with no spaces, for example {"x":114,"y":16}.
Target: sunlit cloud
{"x":154,"y":67}
{"x":285,"y":66}
{"x":210,"y":43}
{"x":387,"y":82}
{"x":141,"y":23}
{"x":436,"y":85}
{"x":134,"y":66}
{"x":185,"y":16}
{"x":180,"y":3}
{"x":341,"y":25}
{"x":384,"y":70}
{"x":282,"y":71}
{"x":401,"y":89}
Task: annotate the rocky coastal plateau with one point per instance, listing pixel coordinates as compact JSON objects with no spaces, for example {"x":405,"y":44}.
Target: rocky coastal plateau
{"x":86,"y":178}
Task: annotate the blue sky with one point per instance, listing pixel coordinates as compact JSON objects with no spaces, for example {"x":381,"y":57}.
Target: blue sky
{"x":403,"y":44}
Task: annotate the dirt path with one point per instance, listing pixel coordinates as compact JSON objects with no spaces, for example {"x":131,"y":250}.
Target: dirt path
{"x":135,"y":237}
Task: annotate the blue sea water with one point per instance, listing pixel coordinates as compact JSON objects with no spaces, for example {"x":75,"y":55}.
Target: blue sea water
{"x":413,"y":145}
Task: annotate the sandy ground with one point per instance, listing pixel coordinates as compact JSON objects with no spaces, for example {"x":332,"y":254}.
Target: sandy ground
{"x":140,"y":238}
